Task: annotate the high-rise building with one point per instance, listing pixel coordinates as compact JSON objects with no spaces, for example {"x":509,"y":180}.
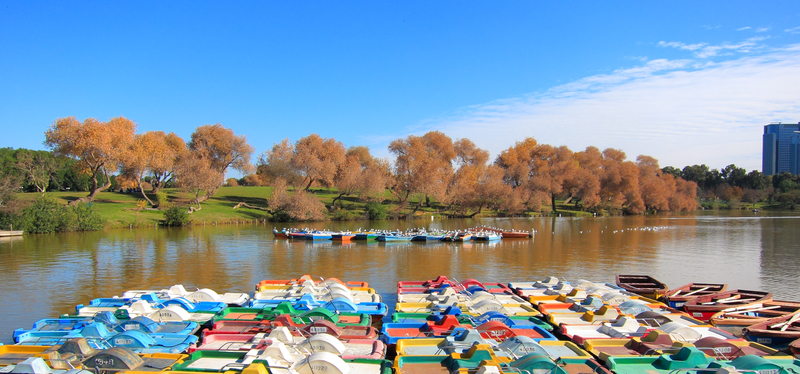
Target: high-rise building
{"x":781,"y":149}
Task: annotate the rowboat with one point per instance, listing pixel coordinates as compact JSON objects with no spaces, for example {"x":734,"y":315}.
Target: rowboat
{"x":733,"y":320}
{"x":676,"y":297}
{"x":704,"y":307}
{"x":644,"y":285}
{"x":794,"y":347}
{"x":777,"y":332}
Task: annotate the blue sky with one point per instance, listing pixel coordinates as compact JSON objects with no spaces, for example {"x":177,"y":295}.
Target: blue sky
{"x":685,"y":82}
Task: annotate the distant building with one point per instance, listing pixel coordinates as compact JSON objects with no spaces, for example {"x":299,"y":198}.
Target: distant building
{"x":781,"y":149}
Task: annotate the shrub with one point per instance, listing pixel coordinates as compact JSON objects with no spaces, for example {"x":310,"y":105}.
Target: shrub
{"x":281,"y":216}
{"x":87,"y":218}
{"x":176,"y":216}
{"x":376,"y":210}
{"x":46,"y":215}
{"x":344,"y":215}
{"x":161,"y":198}
{"x":232,"y":182}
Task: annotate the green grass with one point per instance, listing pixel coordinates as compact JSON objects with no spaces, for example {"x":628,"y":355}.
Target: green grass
{"x":124,"y":210}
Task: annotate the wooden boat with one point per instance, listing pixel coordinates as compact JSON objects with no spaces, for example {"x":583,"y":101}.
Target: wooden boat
{"x":733,"y":320}
{"x":794,"y":348}
{"x":676,"y":297}
{"x":704,"y":307}
{"x":644,"y":285}
{"x":777,"y":332}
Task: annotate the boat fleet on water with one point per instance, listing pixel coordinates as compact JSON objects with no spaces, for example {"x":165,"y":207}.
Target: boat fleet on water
{"x":315,"y":325}
{"x":482,"y":233}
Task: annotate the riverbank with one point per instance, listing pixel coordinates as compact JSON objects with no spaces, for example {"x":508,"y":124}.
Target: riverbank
{"x":130,"y":210}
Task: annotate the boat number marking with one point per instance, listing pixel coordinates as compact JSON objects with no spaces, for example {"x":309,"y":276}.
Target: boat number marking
{"x":769,"y":371}
{"x":104,"y":362}
{"x":167,"y":314}
{"x":499,"y":319}
{"x":318,"y":330}
{"x":696,"y":314}
{"x":123,"y":341}
{"x":678,"y":305}
{"x":496,"y":333}
{"x":131,"y":326}
{"x":315,"y":368}
{"x":528,"y":349}
{"x":723,"y":350}
{"x":764,"y":340}
{"x":317,"y":348}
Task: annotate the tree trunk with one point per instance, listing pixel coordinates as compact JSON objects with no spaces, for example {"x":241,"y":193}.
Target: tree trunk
{"x":568,"y":200}
{"x":144,"y":195}
{"x":333,"y":203}
{"x":553,"y":201}
{"x":310,"y":180}
{"x":416,"y":207}
{"x":480,"y":208}
{"x":95,"y":190}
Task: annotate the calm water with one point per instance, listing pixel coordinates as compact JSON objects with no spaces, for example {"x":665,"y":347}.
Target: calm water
{"x":46,"y":275}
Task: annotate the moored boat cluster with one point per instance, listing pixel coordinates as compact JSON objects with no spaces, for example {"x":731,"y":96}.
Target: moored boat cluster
{"x":309,"y":325}
{"x":482,"y":233}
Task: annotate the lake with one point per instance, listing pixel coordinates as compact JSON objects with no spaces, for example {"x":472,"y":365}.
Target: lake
{"x":45,"y":276}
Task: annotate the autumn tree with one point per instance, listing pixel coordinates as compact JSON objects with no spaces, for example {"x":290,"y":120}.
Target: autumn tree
{"x":475,"y":185}
{"x":540,"y":168}
{"x":655,"y":186}
{"x":299,"y":206}
{"x":317,"y":159}
{"x":361,"y":173}
{"x":423,"y":166}
{"x":276,"y":163}
{"x":584,"y":185}
{"x":220,"y":149}
{"x":551,"y":167}
{"x":619,"y":183}
{"x":152,"y":153}
{"x":684,"y":199}
{"x":96,"y":145}
{"x":196,"y":175}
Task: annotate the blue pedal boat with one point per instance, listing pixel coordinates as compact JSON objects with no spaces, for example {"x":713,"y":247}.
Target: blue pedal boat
{"x":337,"y":305}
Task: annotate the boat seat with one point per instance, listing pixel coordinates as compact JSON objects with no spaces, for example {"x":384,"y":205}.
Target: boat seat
{"x":281,"y":334}
{"x":177,"y":290}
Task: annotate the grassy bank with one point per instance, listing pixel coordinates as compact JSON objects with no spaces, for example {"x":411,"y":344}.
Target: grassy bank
{"x":130,"y":210}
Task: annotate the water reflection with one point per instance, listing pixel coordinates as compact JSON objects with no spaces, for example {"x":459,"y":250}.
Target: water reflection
{"x":46,"y":275}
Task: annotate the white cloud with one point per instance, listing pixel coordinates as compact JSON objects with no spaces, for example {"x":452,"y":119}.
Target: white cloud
{"x":762,"y":29}
{"x":744,"y":28}
{"x":681,"y":112}
{"x":705,"y":50}
{"x":793,"y":30}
